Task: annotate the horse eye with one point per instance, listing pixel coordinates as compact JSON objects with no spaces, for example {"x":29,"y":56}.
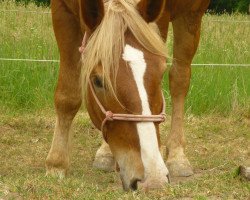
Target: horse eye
{"x":97,"y":82}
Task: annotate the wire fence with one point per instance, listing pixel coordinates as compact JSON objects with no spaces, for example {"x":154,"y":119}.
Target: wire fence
{"x":39,"y":39}
{"x":194,"y":64}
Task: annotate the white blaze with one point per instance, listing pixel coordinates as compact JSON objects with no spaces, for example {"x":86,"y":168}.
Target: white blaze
{"x":150,"y":154}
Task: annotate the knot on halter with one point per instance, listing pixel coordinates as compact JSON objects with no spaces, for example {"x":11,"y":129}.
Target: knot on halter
{"x":81,"y":49}
{"x":163,"y":115}
{"x":109,"y":115}
{"x":84,"y":41}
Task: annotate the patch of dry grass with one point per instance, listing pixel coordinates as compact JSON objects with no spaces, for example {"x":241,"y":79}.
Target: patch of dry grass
{"x":216,"y":147}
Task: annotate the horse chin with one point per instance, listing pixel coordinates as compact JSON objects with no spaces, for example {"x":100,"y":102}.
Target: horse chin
{"x":143,"y":184}
{"x":133,"y":179}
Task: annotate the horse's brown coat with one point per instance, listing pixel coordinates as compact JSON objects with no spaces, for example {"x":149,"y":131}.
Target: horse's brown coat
{"x":70,"y":23}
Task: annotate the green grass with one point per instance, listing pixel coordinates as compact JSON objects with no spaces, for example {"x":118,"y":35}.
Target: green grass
{"x":26,"y":87}
{"x":29,"y":86}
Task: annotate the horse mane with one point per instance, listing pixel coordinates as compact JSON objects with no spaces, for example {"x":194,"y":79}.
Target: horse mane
{"x":107,"y":42}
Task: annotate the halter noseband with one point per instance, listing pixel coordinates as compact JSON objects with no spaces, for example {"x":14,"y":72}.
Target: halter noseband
{"x":110,"y":116}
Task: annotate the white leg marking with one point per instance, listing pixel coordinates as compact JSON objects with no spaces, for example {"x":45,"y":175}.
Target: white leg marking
{"x":151,"y":156}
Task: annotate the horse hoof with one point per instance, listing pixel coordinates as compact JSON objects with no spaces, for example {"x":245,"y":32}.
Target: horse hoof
{"x":104,"y":163}
{"x":54,"y":172}
{"x":180,"y":168}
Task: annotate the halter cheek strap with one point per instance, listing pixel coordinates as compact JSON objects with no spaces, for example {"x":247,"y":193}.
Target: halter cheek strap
{"x":110,"y":116}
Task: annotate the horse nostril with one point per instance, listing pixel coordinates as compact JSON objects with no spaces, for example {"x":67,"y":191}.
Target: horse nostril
{"x":169,"y":180}
{"x":133,"y":184}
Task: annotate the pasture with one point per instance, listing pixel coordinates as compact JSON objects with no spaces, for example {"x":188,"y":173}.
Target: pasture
{"x":217,"y":115}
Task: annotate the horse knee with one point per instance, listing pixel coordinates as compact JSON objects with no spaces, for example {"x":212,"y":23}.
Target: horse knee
{"x":179,"y":78}
{"x":67,"y":104}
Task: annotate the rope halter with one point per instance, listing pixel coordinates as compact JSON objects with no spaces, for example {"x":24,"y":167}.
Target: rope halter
{"x":110,"y":116}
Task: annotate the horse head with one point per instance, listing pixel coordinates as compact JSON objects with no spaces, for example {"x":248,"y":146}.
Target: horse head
{"x":122,"y":68}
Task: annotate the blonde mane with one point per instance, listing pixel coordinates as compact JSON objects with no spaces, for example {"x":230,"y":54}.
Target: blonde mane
{"x":107,"y":42}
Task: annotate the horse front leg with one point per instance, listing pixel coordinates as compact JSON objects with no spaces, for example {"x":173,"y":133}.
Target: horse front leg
{"x":186,"y":39}
{"x":68,"y":91}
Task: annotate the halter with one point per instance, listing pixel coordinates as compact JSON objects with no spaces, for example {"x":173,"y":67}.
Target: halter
{"x":110,"y":116}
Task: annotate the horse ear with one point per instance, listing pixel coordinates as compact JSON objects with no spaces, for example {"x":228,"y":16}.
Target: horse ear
{"x":92,"y":12}
{"x":151,"y":10}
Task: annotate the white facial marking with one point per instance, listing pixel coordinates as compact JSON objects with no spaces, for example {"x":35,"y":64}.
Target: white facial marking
{"x":150,"y":154}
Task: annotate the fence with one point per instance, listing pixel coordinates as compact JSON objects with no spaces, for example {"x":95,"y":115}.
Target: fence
{"x":27,"y":36}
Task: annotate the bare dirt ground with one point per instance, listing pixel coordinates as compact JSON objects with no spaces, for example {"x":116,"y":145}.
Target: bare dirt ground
{"x":216,"y":146}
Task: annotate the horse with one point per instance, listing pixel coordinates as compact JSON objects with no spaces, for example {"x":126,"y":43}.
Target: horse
{"x":118,"y":76}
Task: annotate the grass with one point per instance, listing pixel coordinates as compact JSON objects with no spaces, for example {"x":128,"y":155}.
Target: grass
{"x":217,"y":116}
{"x":216,"y":148}
{"x":29,"y":86}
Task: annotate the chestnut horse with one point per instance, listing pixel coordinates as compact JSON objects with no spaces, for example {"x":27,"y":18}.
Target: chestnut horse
{"x":121,"y":71}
